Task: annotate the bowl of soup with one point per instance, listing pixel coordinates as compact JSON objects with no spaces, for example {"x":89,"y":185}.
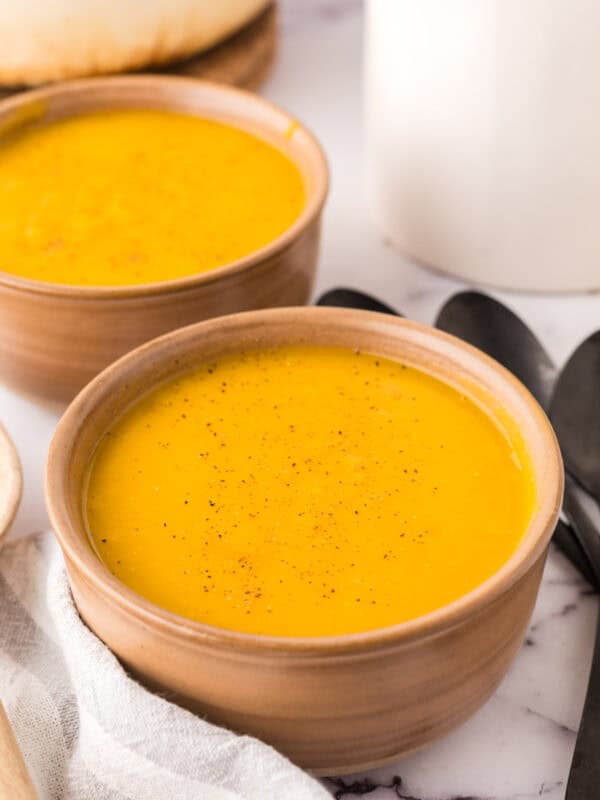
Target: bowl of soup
{"x":323,"y":527}
{"x":130,"y":206}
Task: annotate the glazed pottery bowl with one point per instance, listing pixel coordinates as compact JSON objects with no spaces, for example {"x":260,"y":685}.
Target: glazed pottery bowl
{"x":11,"y":482}
{"x":332,"y":704}
{"x":55,"y":337}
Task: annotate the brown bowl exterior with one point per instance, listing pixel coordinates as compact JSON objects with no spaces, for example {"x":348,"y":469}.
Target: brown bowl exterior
{"x":55,"y":338}
{"x":330,"y":715}
{"x":332,"y":704}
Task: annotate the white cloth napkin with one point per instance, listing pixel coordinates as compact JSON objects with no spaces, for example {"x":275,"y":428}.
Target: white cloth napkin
{"x":90,"y":732}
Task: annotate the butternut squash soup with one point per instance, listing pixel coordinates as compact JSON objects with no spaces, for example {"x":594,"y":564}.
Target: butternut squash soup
{"x":307,"y":491}
{"x":138,"y":196}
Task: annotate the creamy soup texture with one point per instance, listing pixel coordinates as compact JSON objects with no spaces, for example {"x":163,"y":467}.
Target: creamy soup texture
{"x":130,"y":197}
{"x":307,"y":491}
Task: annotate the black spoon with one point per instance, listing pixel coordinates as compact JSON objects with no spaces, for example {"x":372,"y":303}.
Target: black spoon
{"x":350,"y":298}
{"x":575,"y":413}
{"x":495,"y":329}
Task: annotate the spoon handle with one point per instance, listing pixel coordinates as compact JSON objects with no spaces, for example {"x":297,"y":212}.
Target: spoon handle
{"x":584,"y":528}
{"x":567,"y":542}
{"x":584,"y":777}
{"x":15,"y":782}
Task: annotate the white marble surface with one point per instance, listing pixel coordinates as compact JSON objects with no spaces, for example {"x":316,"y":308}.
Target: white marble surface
{"x":519,"y":745}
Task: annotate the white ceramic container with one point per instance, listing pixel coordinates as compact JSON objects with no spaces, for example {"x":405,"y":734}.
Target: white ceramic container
{"x":483,"y":132}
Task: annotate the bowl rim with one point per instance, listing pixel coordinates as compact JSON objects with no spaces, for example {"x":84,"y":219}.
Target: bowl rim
{"x":174,"y":83}
{"x":10,"y":493}
{"x":532,"y":546}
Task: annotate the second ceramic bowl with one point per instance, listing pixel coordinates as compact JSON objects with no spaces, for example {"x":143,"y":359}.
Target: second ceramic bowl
{"x":332,"y":704}
{"x":54,"y":338}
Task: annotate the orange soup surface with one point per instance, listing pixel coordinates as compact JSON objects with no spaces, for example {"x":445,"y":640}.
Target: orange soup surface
{"x":307,"y":491}
{"x":130,"y":197}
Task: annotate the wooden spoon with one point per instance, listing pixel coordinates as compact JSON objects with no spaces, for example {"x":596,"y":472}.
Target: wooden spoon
{"x":15,"y":783}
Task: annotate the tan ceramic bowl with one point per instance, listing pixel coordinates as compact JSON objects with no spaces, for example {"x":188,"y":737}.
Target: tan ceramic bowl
{"x":55,"y":338}
{"x":332,"y":704}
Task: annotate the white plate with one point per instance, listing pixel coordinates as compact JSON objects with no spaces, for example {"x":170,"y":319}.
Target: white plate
{"x":11,"y":482}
